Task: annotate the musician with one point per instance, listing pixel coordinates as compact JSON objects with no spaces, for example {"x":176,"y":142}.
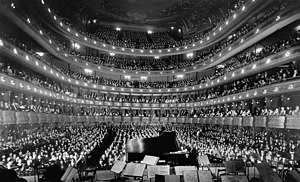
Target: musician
{"x":162,"y":130}
{"x":192,"y":157}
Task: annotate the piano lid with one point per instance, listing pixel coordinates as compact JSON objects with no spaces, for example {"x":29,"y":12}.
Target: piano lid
{"x":165,"y":143}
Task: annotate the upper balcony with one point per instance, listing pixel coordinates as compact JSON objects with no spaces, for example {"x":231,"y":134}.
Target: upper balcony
{"x":253,"y":36}
{"x":19,"y":85}
{"x":258,"y":66}
{"x":244,"y":13}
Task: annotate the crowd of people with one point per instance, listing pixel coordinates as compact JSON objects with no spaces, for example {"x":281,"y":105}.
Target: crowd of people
{"x":42,"y":106}
{"x":146,"y":64}
{"x":139,"y":40}
{"x":25,"y":150}
{"x":65,"y":146}
{"x":275,"y":147}
{"x":165,"y":64}
{"x":271,"y":76}
{"x":155,"y":40}
{"x":262,"y":79}
{"x":173,"y":62}
{"x":259,"y":80}
{"x":234,"y":63}
{"x":117,"y":149}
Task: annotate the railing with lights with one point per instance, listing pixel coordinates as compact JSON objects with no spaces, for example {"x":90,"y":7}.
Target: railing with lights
{"x":248,"y":7}
{"x":260,"y":65}
{"x":271,"y":90}
{"x":243,"y":43}
{"x":225,"y":54}
{"x":21,"y":118}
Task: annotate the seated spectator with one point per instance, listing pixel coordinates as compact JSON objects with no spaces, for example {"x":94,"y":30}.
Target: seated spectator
{"x":282,"y":111}
{"x":296,"y":111}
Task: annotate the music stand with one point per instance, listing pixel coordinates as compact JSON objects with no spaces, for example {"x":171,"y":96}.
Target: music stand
{"x":158,"y":170}
{"x":118,"y":167}
{"x":150,"y":160}
{"x":191,"y":176}
{"x":203,"y":161}
{"x":267,"y":174}
{"x":256,"y":157}
{"x":69,"y":174}
{"x":135,"y":170}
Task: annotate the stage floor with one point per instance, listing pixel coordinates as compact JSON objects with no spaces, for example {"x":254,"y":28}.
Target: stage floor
{"x":249,"y":171}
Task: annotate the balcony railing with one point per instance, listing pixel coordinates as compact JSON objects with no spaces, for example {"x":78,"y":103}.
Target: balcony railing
{"x":241,"y":14}
{"x":288,"y":16}
{"x":274,"y":89}
{"x":282,"y":57}
{"x":32,"y":118}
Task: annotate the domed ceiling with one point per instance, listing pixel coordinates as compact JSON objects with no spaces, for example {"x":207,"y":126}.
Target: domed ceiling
{"x":154,"y":11}
{"x":141,"y":10}
{"x":178,"y":13}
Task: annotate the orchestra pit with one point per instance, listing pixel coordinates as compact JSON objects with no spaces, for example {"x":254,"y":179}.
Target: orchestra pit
{"x":150,"y":90}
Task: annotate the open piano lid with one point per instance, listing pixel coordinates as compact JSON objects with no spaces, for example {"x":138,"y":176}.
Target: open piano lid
{"x":165,"y":143}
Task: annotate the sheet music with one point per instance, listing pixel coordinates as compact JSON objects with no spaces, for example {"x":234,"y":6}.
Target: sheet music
{"x":191,"y":176}
{"x":105,"y":175}
{"x":295,"y":175}
{"x":179,"y":169}
{"x":217,"y":153}
{"x":229,"y":178}
{"x":267,"y":173}
{"x":162,"y":170}
{"x":118,"y":167}
{"x":203,"y":160}
{"x":150,"y":160}
{"x":205,"y":176}
{"x":71,"y":175}
{"x":134,"y":169}
{"x":172,"y":178}
{"x":63,"y":178}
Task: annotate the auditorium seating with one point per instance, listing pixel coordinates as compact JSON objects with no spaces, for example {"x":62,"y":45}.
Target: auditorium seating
{"x":234,"y":98}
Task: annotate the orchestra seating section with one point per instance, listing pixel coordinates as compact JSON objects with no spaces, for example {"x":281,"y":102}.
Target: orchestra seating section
{"x":213,"y":99}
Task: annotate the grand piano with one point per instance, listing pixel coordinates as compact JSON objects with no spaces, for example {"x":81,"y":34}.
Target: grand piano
{"x":165,"y":146}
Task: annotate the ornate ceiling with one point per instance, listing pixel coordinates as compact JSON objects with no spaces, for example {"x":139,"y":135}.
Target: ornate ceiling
{"x":188,"y":13}
{"x":140,"y":10}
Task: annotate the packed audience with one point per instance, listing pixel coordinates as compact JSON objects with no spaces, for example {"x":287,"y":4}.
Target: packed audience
{"x":163,"y":40}
{"x":275,"y":75}
{"x":167,"y":64}
{"x":272,"y":146}
{"x":265,"y":78}
{"x":235,"y":63}
{"x":155,"y":40}
{"x":117,"y":149}
{"x":139,"y":40}
{"x":174,"y":62}
{"x":25,"y":150}
{"x":49,"y":108}
{"x":271,"y":76}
